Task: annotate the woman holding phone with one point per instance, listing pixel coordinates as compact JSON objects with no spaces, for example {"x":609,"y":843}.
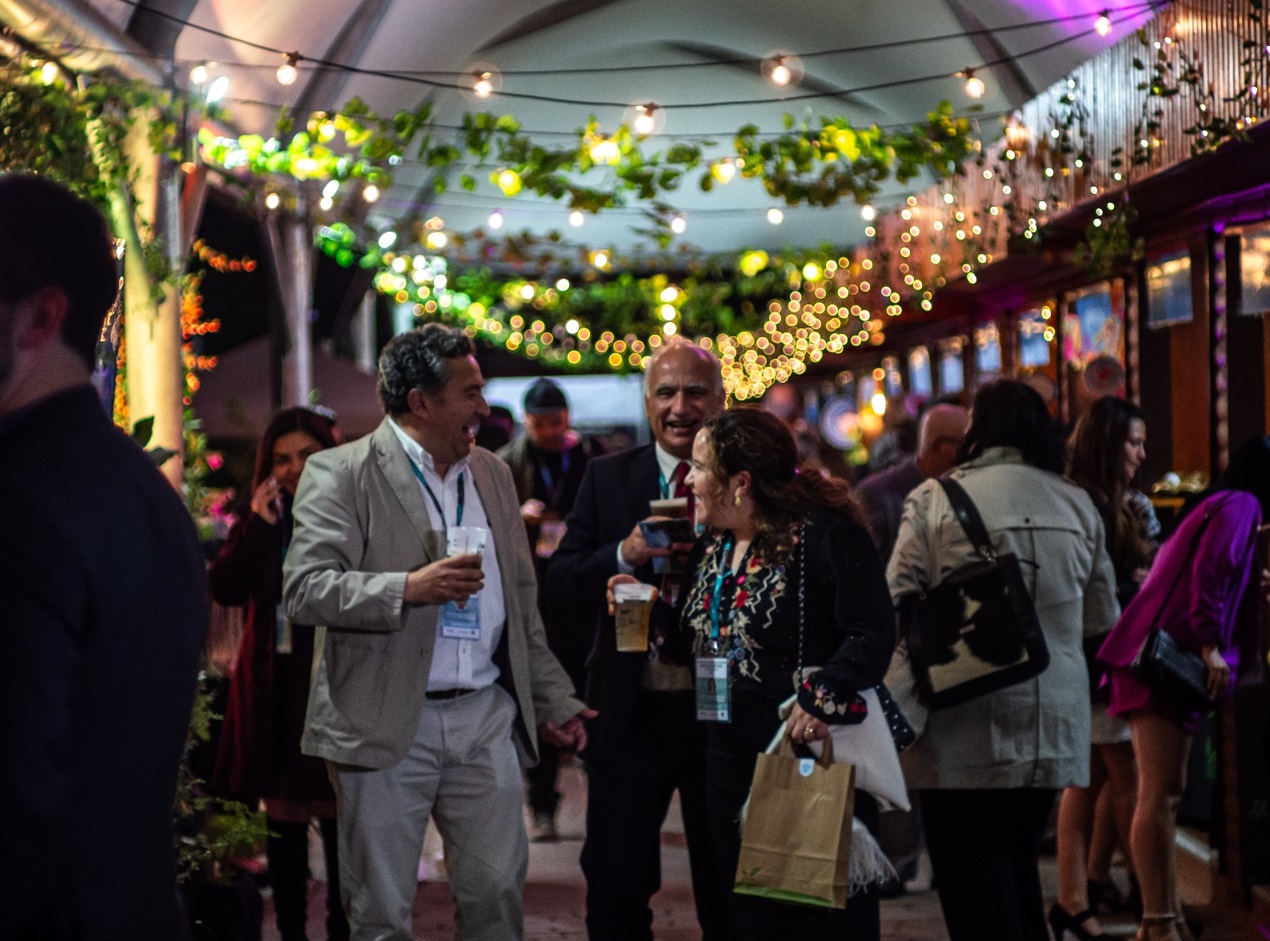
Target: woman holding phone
{"x":258,"y":757}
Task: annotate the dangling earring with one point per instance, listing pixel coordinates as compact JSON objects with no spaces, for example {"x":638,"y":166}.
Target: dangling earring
{"x":737,"y":499}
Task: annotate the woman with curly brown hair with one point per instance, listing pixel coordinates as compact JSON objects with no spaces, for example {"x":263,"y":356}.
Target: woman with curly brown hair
{"x":785,"y":577}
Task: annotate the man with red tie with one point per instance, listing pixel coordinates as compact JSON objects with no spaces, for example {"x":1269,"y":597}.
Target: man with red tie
{"x":646,"y":742}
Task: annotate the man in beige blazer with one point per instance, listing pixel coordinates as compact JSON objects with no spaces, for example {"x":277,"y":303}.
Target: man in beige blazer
{"x":432,"y":677}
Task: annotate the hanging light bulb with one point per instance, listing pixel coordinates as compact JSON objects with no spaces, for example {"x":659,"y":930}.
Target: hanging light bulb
{"x":868,"y":213}
{"x":370,"y":193}
{"x":576,"y":218}
{"x":436,"y":240}
{"x":198,"y":74}
{"x":1102,"y":25}
{"x":387,"y":240}
{"x":496,"y":219}
{"x":483,"y":86}
{"x":775,"y":216}
{"x":782,"y":69}
{"x":974,"y":84}
{"x":272,"y":201}
{"x":879,"y":403}
{"x":645,"y":119}
{"x":287,"y":72}
{"x":218,"y":89}
{"x":325,"y":203}
{"x":331,"y":188}
{"x":48,"y":72}
{"x":678,"y":224}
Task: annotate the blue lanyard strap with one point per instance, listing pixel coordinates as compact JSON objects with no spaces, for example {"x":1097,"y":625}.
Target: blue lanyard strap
{"x":554,"y":493}
{"x":716,"y":600}
{"x":458,"y":518}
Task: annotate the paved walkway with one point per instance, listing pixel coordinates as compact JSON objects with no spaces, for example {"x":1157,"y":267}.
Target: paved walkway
{"x":555,"y":893}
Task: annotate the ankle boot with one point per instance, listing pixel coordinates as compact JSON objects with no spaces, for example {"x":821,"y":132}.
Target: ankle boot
{"x":288,"y":855}
{"x":336,"y":920}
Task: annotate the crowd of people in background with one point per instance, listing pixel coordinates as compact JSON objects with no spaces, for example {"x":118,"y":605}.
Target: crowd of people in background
{"x":426,"y":621}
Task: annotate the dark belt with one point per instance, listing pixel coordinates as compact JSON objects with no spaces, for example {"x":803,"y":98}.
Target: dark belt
{"x":447,"y":693}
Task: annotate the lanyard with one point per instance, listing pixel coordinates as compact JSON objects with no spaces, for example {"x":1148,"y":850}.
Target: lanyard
{"x":554,"y":493}
{"x":716,"y":601}
{"x":458,"y":518}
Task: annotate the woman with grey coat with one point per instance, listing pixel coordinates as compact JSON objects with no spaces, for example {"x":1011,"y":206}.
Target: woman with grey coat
{"x":988,"y":770}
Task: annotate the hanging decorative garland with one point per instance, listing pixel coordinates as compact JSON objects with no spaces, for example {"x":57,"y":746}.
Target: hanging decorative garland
{"x":807,"y":165}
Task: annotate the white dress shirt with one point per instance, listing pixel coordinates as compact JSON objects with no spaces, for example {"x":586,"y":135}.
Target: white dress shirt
{"x":467,"y":664}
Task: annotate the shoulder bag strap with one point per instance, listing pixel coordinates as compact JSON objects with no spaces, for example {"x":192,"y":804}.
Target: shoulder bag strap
{"x":802,"y":596}
{"x":1186,"y":564}
{"x":968,"y":516}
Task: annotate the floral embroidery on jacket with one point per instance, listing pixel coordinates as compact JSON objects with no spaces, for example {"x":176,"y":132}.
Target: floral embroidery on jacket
{"x":828,"y":705}
{"x":758,"y":585}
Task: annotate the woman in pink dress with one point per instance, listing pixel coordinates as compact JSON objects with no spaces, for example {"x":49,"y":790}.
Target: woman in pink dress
{"x":1204,"y":592}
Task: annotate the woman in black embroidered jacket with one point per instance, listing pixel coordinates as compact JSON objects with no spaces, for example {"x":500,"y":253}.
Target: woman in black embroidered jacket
{"x":773,"y":534}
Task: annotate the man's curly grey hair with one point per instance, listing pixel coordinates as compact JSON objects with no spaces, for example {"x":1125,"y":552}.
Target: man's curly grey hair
{"x":418,"y":359}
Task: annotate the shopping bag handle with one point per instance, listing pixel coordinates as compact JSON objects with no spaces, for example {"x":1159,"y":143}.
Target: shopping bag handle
{"x":792,"y":749}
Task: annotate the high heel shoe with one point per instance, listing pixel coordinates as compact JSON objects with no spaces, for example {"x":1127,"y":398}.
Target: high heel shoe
{"x":1063,"y":923}
{"x":1104,"y":897}
{"x":1158,"y":928}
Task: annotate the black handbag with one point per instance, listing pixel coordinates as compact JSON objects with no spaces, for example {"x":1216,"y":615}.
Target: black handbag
{"x":975,"y":632}
{"x":1177,"y":676}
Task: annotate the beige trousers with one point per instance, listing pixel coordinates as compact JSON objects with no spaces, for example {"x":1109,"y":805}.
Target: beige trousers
{"x":463,"y":770}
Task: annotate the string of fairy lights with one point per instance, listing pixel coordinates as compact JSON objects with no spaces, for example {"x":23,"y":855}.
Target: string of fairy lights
{"x":827,"y":310}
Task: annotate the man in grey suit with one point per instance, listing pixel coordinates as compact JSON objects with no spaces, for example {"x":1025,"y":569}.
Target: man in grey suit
{"x":432,"y":679}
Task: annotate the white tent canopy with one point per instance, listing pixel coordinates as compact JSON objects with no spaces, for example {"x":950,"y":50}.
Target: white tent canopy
{"x":900,"y":59}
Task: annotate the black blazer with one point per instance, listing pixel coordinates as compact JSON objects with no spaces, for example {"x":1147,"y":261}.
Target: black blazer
{"x":613,"y":497}
{"x":102,"y":617}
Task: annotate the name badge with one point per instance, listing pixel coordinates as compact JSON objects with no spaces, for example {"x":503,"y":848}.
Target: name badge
{"x":461,"y":623}
{"x":714,"y":699}
{"x":281,"y":631}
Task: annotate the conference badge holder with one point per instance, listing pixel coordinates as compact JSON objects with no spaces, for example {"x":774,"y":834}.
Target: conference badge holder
{"x":463,"y":623}
{"x":714,"y":692}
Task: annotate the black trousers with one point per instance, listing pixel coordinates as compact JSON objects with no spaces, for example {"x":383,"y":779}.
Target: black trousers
{"x":628,"y":797}
{"x":731,"y":756}
{"x":570,"y":642}
{"x":983,"y":847}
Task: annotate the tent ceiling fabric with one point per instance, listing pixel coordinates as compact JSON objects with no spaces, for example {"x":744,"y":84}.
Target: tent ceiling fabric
{"x":514,"y":35}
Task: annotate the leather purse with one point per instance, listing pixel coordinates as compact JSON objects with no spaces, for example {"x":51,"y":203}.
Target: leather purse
{"x":976,"y":632}
{"x":1176,"y":676}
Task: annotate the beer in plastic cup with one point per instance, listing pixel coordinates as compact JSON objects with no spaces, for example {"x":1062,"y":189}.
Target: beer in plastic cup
{"x":633,"y":605}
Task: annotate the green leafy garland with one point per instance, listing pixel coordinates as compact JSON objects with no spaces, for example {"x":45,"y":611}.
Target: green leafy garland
{"x":816,"y":165}
{"x":56,"y":128}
